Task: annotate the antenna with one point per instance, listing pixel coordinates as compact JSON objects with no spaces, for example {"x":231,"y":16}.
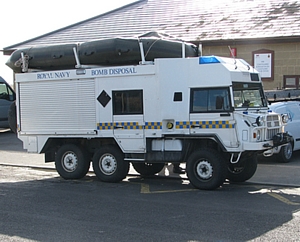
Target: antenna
{"x":232,"y":55}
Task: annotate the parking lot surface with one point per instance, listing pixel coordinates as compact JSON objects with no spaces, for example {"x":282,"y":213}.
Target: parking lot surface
{"x":269,"y":171}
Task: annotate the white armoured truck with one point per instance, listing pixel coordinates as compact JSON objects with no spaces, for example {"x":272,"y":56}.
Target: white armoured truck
{"x":208,"y":112}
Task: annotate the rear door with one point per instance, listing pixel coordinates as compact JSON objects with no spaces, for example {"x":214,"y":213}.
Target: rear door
{"x":128,"y":120}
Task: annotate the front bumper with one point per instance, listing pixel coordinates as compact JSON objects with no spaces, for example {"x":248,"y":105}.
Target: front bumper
{"x":276,"y":141}
{"x":281,"y":139}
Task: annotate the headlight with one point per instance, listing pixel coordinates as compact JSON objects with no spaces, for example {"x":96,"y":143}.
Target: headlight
{"x":258,"y":135}
{"x":284,"y":118}
{"x":260,"y":120}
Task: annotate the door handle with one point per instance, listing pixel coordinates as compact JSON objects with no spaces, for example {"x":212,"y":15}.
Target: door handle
{"x":225,"y":114}
{"x":118,"y":127}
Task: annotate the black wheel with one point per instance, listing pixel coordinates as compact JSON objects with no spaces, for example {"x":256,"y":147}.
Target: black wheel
{"x":12,"y":117}
{"x":148,"y":169}
{"x":285,"y":154}
{"x":109,"y":164}
{"x":71,"y":162}
{"x":243,"y":170}
{"x":206,"y":169}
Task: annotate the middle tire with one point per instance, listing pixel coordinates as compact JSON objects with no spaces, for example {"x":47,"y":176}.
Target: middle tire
{"x":109,"y":164}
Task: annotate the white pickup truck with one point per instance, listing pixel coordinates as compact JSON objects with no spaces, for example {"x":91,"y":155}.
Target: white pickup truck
{"x":7,"y":97}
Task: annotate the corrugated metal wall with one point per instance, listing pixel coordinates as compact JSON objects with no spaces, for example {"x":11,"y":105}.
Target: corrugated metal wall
{"x":49,"y":106}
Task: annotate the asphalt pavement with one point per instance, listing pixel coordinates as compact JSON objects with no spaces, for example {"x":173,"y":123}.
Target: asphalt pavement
{"x":269,"y":170}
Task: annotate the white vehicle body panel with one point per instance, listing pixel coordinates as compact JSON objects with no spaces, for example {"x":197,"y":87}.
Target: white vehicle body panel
{"x":80,"y":103}
{"x":292,"y":109}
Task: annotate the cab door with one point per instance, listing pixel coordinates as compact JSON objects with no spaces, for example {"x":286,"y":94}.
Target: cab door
{"x":128,"y":120}
{"x":211,"y":115}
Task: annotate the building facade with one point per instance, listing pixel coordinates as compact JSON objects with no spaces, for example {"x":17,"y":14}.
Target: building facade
{"x":285,"y":66}
{"x":266,"y":33}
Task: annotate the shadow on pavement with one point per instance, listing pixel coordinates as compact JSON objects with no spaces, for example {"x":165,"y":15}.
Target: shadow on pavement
{"x":48,"y":208}
{"x":9,"y":141}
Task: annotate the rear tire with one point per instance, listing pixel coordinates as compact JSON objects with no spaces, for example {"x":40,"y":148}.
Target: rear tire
{"x":148,"y":169}
{"x":109,"y":164}
{"x":206,"y":169}
{"x":71,"y":162}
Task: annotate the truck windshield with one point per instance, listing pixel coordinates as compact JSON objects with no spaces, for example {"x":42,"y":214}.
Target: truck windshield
{"x":248,"y":95}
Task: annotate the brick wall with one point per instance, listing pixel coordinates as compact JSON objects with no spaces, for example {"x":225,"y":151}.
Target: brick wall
{"x":286,"y":58}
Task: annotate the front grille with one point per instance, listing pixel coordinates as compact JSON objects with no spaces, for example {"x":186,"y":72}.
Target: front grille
{"x":273,"y":126}
{"x":271,"y":133}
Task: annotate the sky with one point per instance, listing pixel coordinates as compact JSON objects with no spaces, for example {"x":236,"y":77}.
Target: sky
{"x":23,"y":20}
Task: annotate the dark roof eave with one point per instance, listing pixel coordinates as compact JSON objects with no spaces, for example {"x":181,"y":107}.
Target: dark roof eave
{"x":246,"y":41}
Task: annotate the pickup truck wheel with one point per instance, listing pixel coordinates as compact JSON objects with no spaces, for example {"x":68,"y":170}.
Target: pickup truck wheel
{"x":206,"y":169}
{"x":71,"y":162}
{"x":285,"y":154}
{"x":148,"y":169}
{"x":109,"y":164}
{"x":243,"y":170}
{"x":12,"y":117}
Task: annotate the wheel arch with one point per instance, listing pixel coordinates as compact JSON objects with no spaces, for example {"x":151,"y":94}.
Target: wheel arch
{"x":206,"y":142}
{"x":90,"y":145}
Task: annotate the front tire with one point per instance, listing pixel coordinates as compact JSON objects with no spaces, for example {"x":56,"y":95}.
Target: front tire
{"x":206,"y":169}
{"x":71,"y":162}
{"x":109,"y":164}
{"x":148,"y":169}
{"x":285,"y":154}
{"x":243,"y":170}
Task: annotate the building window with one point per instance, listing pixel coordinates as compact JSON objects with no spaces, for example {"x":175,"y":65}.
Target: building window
{"x":127,"y":102}
{"x":290,"y":81}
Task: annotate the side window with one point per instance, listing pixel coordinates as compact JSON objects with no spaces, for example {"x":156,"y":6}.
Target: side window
{"x":210,"y":100}
{"x":127,"y":102}
{"x":177,"y":97}
{"x":5,"y":92}
{"x":199,"y":101}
